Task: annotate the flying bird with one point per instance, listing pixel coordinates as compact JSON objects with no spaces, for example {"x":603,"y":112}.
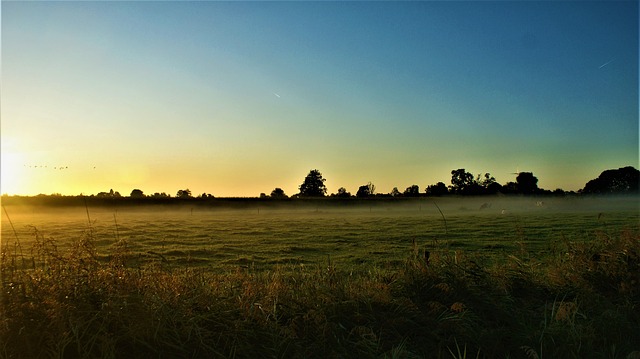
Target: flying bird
{"x":276,"y":95}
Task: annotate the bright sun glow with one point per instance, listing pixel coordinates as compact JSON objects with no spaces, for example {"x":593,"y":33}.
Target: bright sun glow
{"x":13,"y":179}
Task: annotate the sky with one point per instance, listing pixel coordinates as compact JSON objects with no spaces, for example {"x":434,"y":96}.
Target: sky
{"x":238,"y":98}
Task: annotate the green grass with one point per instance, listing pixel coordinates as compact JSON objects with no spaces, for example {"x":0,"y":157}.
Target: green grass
{"x":221,"y":240}
{"x":320,"y":285}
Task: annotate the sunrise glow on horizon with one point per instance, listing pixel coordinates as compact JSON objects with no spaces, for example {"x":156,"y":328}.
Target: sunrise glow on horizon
{"x":238,"y":98}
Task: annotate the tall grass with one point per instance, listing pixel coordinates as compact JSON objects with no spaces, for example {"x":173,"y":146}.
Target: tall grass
{"x":581,"y":301}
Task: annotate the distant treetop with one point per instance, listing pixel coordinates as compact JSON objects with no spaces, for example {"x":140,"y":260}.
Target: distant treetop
{"x":622,"y":180}
{"x":313,"y":185}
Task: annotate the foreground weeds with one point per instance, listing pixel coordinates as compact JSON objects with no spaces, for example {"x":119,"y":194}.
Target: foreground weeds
{"x":579,"y":302}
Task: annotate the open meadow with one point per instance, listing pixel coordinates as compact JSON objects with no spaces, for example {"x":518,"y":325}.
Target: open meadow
{"x":379,"y":234}
{"x":436,"y":278}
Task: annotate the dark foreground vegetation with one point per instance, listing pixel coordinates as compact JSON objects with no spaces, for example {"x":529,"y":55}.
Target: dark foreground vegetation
{"x":580,"y":301}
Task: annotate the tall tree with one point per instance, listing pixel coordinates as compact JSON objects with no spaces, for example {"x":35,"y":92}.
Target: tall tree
{"x":137,"y":193}
{"x":461,"y":181}
{"x":278,"y":193}
{"x":366,"y":190}
{"x":363,"y":191}
{"x":437,"y":189}
{"x":372,"y":188}
{"x":313,"y":185}
{"x":412,"y":191}
{"x":184,"y":193}
{"x":527,"y":183}
{"x":487,"y":184}
{"x":342,"y":192}
{"x":485,"y":181}
{"x":622,"y":180}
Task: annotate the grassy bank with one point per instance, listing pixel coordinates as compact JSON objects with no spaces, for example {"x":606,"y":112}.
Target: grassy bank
{"x":580,"y":301}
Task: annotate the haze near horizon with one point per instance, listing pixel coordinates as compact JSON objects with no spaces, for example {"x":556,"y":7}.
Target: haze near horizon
{"x":237,"y":98}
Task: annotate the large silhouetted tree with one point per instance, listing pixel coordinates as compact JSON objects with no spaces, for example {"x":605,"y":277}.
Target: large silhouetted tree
{"x":372,"y":188}
{"x":363,"y":191}
{"x":412,"y":191}
{"x":366,"y":190}
{"x":137,"y":193}
{"x":487,"y":184}
{"x":486,"y":180}
{"x":437,"y":189}
{"x":342,"y":192}
{"x":184,"y":193}
{"x":461,"y":181}
{"x":313,"y":185}
{"x":527,"y":183}
{"x":278,"y":193}
{"x":622,"y":180}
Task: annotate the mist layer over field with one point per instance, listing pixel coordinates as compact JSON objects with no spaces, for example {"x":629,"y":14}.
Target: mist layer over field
{"x":316,"y":279}
{"x":369,"y":232}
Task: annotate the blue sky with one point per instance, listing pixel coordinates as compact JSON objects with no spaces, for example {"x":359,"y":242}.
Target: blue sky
{"x":237,"y":98}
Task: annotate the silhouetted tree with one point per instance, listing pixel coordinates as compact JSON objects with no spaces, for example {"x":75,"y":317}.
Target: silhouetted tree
{"x":485,"y":181}
{"x":136,"y":193}
{"x":278,"y":193}
{"x":372,"y":188}
{"x":395,"y":192}
{"x":313,"y":185}
{"x":437,"y":189}
{"x":342,"y":192}
{"x":486,"y":184}
{"x":461,"y":181}
{"x":527,"y":183}
{"x":622,"y":180}
{"x":412,"y":191}
{"x":160,"y":195}
{"x":363,"y":191}
{"x":184,"y":193}
{"x":366,"y":190}
{"x":111,"y":194}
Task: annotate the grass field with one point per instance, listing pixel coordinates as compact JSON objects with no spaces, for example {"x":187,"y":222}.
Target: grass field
{"x":516,"y":279}
{"x":380,"y":236}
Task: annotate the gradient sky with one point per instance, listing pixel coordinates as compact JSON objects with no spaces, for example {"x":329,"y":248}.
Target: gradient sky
{"x":237,"y":98}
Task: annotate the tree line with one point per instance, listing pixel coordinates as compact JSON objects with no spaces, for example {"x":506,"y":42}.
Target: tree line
{"x":463,"y":183}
